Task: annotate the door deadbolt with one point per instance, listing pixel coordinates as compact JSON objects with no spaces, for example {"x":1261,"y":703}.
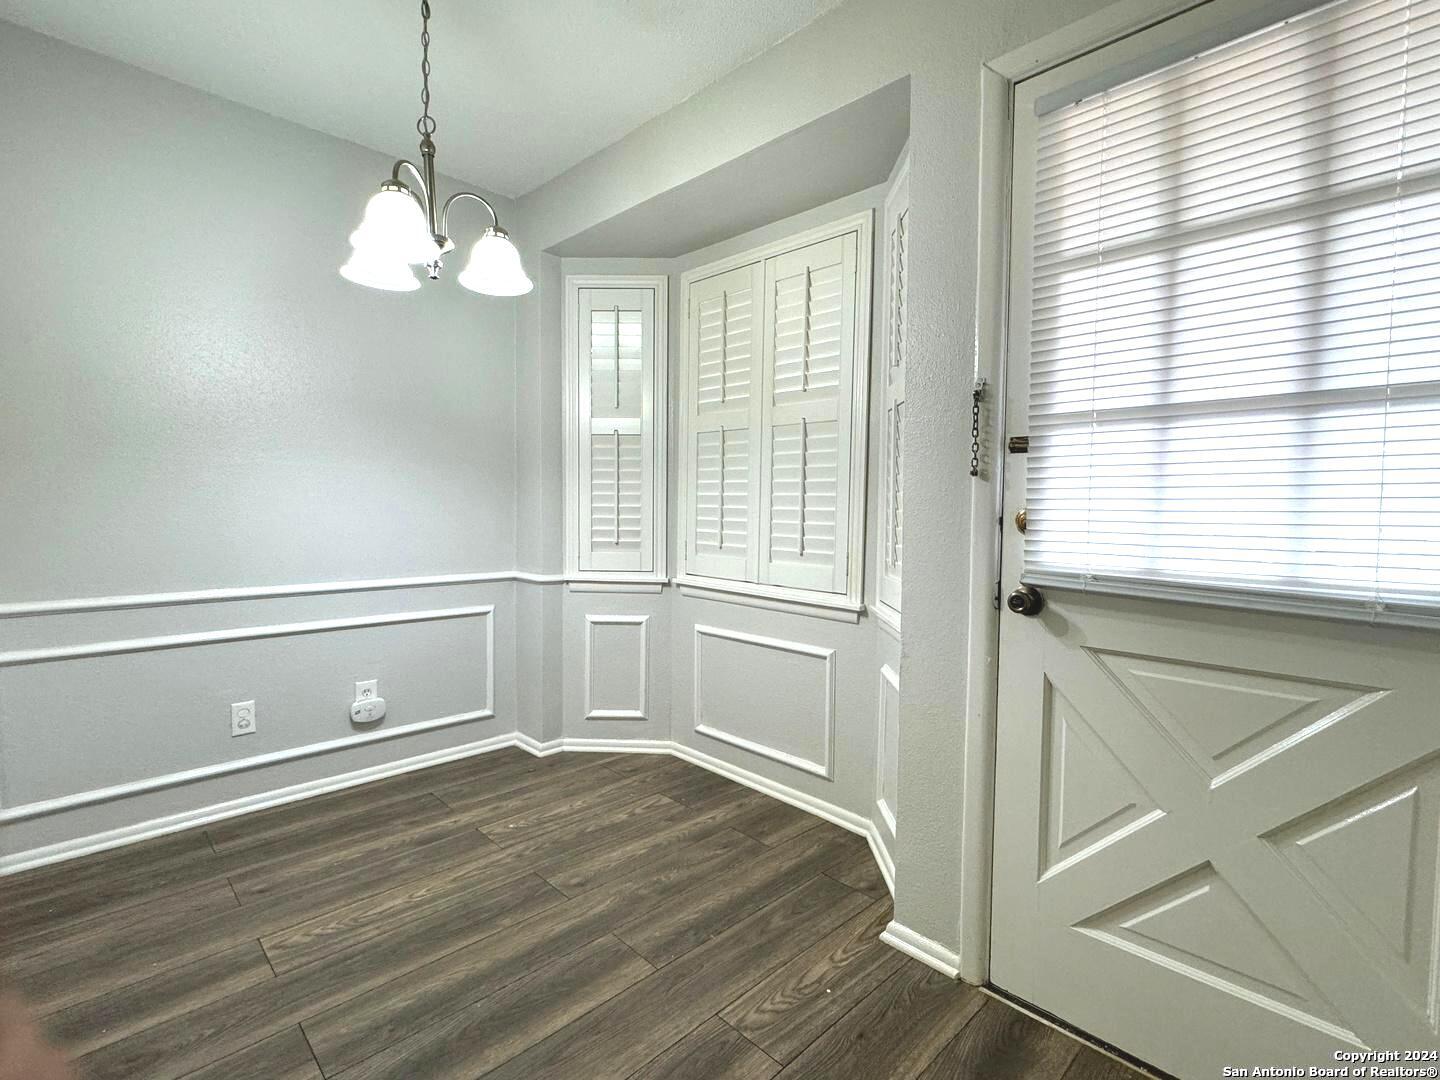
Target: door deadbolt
{"x":1026,"y":600}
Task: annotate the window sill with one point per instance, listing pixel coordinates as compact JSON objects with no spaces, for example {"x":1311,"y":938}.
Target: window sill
{"x":615,"y":583}
{"x":771,"y":597}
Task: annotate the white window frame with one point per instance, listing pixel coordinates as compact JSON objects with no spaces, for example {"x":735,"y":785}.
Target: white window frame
{"x":851,"y":602}
{"x":659,"y":414}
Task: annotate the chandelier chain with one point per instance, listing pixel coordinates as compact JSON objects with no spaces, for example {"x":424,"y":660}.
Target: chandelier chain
{"x":426,"y":124}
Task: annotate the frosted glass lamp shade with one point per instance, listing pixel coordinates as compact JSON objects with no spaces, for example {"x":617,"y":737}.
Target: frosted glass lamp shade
{"x":366,"y":267}
{"x":394,"y":228}
{"x":494,"y":267}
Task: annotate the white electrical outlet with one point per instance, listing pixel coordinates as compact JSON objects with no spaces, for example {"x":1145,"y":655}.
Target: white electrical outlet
{"x":242,"y":718}
{"x":370,"y":688}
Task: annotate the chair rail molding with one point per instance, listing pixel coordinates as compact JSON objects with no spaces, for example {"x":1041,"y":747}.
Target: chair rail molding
{"x":28,"y":608}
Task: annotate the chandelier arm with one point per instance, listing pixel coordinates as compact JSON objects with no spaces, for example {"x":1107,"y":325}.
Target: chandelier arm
{"x":405,"y":163}
{"x":445,"y":212}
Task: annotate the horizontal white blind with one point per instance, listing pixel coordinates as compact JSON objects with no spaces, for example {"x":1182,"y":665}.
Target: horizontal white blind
{"x":804,"y":486}
{"x":1235,"y":336}
{"x":616,"y":491}
{"x":722,"y":490}
{"x":807,"y":331}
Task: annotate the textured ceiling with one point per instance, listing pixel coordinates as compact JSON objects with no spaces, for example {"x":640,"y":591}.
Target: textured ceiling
{"x":521,"y":89}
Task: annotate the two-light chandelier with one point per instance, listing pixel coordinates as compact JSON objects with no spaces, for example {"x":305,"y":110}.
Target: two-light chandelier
{"x":402,"y":229}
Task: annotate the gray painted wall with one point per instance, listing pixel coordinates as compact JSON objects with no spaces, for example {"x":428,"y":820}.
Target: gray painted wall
{"x":192,"y":398}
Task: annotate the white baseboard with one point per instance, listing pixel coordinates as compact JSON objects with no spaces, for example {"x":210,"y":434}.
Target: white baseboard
{"x":189,"y":819}
{"x":95,"y":796}
{"x":131,"y":834}
{"x":923,"y":949}
{"x":883,"y":858}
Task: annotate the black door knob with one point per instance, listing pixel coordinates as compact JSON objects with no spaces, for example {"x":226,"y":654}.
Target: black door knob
{"x":1026,"y":600}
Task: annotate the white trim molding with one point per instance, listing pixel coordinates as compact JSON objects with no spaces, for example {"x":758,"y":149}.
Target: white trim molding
{"x":922,"y":948}
{"x":770,"y":597}
{"x":30,"y":608}
{"x":249,"y":804}
{"x":824,"y":768}
{"x":891,"y":679}
{"x":120,"y":646}
{"x":639,"y":712}
{"x":46,"y":807}
{"x":656,"y":415}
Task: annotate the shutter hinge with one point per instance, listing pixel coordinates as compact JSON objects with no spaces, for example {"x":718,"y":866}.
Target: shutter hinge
{"x":1019,"y":444}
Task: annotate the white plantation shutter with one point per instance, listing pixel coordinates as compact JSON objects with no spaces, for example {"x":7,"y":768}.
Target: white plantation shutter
{"x":615,"y":411}
{"x":1235,"y":324}
{"x":809,"y":368}
{"x":724,"y":417}
{"x":892,"y":472}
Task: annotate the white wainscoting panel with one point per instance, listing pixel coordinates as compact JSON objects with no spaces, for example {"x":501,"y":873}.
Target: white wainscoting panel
{"x":170,"y":725}
{"x":887,"y":755}
{"x":617,"y":666}
{"x":767,"y":695}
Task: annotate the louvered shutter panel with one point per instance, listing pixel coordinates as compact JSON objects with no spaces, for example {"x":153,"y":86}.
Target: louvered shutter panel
{"x":892,"y":471}
{"x":616,"y":439}
{"x":809,"y":371}
{"x":1235,"y":321}
{"x":724,"y":404}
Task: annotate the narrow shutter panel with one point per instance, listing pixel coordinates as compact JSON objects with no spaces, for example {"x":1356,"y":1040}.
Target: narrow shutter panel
{"x":724,"y":415}
{"x":616,"y":439}
{"x":809,"y":361}
{"x":892,"y":472}
{"x":895,"y":495}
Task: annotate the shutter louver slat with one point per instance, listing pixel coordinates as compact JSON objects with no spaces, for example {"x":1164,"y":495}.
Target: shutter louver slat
{"x":616,"y":363}
{"x":899,"y":331}
{"x":804,"y":474}
{"x":724,"y":363}
{"x":895,"y":505}
{"x":1235,"y":319}
{"x":616,"y":491}
{"x":722,"y":491}
{"x":807,"y":332}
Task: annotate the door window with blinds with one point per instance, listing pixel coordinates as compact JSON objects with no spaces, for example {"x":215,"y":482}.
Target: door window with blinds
{"x":615,"y":392}
{"x":1234,"y":290}
{"x":773,"y":385}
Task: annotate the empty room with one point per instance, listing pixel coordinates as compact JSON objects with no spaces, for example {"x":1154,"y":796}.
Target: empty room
{"x":720,"y":540}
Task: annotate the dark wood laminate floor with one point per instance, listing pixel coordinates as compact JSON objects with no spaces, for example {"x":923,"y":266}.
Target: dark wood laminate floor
{"x":577,"y":916}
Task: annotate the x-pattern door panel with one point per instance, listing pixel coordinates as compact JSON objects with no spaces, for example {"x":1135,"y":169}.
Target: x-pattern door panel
{"x":1216,"y":834}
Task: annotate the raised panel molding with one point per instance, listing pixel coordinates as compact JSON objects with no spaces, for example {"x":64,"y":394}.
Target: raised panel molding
{"x":608,"y":675}
{"x":886,"y":759}
{"x":129,"y":789}
{"x":710,"y":722}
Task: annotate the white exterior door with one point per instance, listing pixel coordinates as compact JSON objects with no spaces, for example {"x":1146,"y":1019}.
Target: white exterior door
{"x":1217,"y":824}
